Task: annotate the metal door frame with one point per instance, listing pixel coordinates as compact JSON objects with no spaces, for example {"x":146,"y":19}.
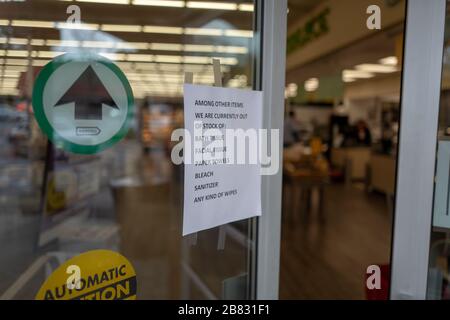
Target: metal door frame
{"x":271,"y":26}
{"x":420,"y":95}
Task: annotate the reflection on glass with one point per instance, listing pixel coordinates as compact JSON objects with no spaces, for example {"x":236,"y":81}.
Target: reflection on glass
{"x":438,"y":272}
{"x":128,"y":198}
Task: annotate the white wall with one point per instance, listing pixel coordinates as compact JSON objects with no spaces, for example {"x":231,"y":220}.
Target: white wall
{"x":382,"y":87}
{"x":308,"y":114}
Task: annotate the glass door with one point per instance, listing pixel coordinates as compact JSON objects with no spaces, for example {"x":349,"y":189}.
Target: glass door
{"x":438,"y":268}
{"x":125,"y":196}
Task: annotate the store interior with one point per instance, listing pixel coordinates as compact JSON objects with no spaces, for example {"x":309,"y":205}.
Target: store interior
{"x":342,"y":118}
{"x":340,"y":144}
{"x":438,"y":268}
{"x":56,"y":204}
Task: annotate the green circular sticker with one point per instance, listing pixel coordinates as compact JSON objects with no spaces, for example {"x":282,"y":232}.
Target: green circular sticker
{"x":83,"y":102}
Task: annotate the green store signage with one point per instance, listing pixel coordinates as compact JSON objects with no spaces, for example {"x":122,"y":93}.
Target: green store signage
{"x":314,"y":28}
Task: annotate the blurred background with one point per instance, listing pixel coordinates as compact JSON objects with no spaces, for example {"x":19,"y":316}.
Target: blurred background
{"x":342,"y":97}
{"x":54,"y":204}
{"x":340,"y":142}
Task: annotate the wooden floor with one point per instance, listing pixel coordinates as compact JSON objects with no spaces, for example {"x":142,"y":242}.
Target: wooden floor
{"x":319,"y":260}
{"x":328,"y":259}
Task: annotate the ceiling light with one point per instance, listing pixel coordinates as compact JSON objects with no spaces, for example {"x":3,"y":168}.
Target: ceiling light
{"x":32,"y":23}
{"x":165,"y":30}
{"x":168,"y":67}
{"x":390,"y":61}
{"x":121,"y":28}
{"x":12,"y":75}
{"x":17,"y":53}
{"x":211,"y":5}
{"x":357,"y":74}
{"x":169,"y":75}
{"x":4,"y":22}
{"x":107,"y":1}
{"x":239,"y":33}
{"x":246,"y":7}
{"x":348,"y":79}
{"x":172,"y":67}
{"x":139,"y":57}
{"x":16,"y":68}
{"x":159,"y":3}
{"x":206,"y":78}
{"x":376,"y":68}
{"x":136,"y":66}
{"x":158,"y":81}
{"x":17,"y":62}
{"x":228,"y":60}
{"x":166,"y":46}
{"x":13,"y":79}
{"x":9,"y":85}
{"x":113,"y":56}
{"x":20,"y":41}
{"x":40,"y":63}
{"x":199,"y":60}
{"x":77,"y":26}
{"x":49,"y":54}
{"x":199,"y":48}
{"x":63,"y":43}
{"x":126,"y":65}
{"x":98,"y":44}
{"x":203,"y":31}
{"x":133,"y":78}
{"x":207,"y":5}
{"x":311,"y":84}
{"x":232,"y":49}
{"x":291,"y":90}
{"x":9,"y":92}
{"x":168,"y":59}
{"x":132,"y":45}
{"x":135,"y":28}
{"x":11,"y":72}
{"x":37,"y":42}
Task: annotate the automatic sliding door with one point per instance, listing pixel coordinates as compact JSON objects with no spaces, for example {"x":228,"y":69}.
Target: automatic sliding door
{"x":56,"y":203}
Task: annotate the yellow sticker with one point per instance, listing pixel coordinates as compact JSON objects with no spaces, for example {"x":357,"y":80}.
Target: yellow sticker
{"x":93,"y":275}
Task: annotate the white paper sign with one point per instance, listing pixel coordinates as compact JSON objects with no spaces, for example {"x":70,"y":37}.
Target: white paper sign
{"x":221,"y":184}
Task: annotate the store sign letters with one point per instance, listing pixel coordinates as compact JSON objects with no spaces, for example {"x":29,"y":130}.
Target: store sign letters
{"x":92,"y":275}
{"x":314,"y":28}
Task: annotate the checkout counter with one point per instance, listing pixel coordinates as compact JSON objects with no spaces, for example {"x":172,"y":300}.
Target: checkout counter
{"x":364,"y":164}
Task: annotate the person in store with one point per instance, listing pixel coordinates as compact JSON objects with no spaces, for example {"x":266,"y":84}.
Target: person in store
{"x":362,"y":134}
{"x":291,"y":130}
